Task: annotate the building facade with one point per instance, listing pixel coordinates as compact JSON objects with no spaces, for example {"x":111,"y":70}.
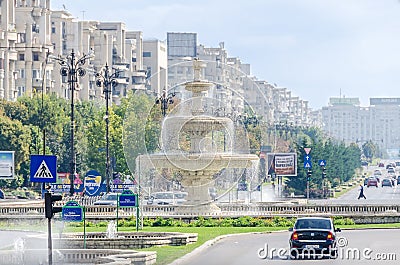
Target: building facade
{"x":32,"y":35}
{"x":344,"y":119}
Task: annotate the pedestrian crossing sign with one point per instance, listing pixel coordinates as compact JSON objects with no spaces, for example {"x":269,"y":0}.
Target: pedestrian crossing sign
{"x":43,"y":168}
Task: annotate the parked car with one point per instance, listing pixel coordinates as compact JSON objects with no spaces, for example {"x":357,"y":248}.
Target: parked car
{"x":108,"y":199}
{"x":381,"y":164}
{"x":313,"y":236}
{"x":372,"y":182}
{"x":213,"y":193}
{"x":386,"y":183}
{"x":180,"y":197}
{"x":167,"y":198}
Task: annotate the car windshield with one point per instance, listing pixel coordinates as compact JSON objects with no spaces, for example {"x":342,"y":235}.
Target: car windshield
{"x":312,"y":224}
{"x":111,"y":197}
{"x":180,"y":195}
{"x":163,"y":196}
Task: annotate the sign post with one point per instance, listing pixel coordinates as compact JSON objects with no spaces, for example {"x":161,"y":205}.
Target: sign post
{"x":129,"y":199}
{"x":322,"y":164}
{"x":73,"y":212}
{"x":308,"y":167}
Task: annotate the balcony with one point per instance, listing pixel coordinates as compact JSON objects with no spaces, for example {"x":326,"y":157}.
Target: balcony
{"x":123,"y":80}
{"x":12,"y":55}
{"x":138,"y":86}
{"x":12,"y":36}
{"x":37,"y":82}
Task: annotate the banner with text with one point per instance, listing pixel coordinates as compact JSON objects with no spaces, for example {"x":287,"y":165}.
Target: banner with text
{"x":7,"y":164}
{"x":282,"y":164}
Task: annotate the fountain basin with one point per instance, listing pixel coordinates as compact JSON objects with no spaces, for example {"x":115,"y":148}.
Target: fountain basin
{"x":201,"y":163}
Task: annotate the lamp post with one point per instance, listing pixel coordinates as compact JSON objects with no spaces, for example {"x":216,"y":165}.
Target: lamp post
{"x":71,"y":66}
{"x":164,"y":100}
{"x":108,"y":82}
{"x":248,"y":120}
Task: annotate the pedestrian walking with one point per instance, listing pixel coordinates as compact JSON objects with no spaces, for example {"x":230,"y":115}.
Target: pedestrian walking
{"x":361,"y":192}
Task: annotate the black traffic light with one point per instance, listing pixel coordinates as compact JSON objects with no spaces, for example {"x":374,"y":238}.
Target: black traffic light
{"x":50,"y":210}
{"x":309,"y":173}
{"x":323,"y":172}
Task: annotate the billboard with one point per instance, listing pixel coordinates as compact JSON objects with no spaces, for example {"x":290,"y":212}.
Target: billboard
{"x":384,"y":101}
{"x":7,"y":165}
{"x":282,"y":164}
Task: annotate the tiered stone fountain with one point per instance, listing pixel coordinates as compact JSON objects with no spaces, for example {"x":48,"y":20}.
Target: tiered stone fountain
{"x":201,"y":161}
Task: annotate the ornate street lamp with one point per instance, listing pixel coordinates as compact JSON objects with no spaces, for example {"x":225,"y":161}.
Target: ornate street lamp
{"x":164,"y":100}
{"x":248,"y":120}
{"x":108,"y":82}
{"x":71,"y":66}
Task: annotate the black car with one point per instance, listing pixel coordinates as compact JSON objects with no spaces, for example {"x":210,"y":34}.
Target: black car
{"x":313,"y":236}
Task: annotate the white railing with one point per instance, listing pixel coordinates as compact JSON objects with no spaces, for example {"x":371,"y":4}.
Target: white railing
{"x":233,"y":210}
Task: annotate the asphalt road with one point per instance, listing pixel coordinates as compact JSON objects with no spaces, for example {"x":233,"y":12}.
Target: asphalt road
{"x":375,"y":246}
{"x":379,"y":195}
{"x":10,"y":238}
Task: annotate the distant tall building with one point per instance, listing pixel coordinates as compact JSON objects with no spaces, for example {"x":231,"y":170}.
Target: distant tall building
{"x":155,"y":64}
{"x":344,"y":119}
{"x":182,"y":44}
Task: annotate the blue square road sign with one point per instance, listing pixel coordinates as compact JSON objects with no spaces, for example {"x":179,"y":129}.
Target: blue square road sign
{"x":43,"y":168}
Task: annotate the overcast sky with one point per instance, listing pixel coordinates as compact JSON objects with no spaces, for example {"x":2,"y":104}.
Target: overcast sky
{"x":316,"y":48}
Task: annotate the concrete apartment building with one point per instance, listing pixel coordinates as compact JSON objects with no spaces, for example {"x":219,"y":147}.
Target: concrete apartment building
{"x":235,"y":87}
{"x":8,"y":53}
{"x":155,"y":64}
{"x":32,"y":35}
{"x":25,"y":27}
{"x":344,"y":119}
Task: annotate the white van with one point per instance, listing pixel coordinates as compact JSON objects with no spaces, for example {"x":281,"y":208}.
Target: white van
{"x":167,"y":198}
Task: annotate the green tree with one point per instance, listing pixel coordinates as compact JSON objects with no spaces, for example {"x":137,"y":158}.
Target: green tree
{"x":341,"y":161}
{"x":141,"y":127}
{"x":369,"y":150}
{"x":14,"y":136}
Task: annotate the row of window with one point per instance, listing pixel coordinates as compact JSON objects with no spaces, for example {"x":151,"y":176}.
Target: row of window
{"x":36,"y":73}
{"x":35,"y":56}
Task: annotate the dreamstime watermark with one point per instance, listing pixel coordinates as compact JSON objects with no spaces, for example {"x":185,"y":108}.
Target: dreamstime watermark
{"x":341,"y":251}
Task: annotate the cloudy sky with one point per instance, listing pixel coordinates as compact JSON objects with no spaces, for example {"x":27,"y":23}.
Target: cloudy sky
{"x":316,"y":48}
